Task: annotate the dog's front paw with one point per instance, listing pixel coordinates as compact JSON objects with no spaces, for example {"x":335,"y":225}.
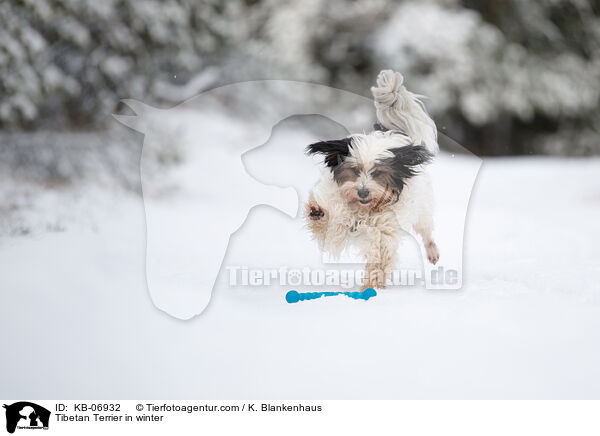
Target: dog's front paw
{"x":433,"y":253}
{"x":316,"y":218}
{"x":315,"y":212}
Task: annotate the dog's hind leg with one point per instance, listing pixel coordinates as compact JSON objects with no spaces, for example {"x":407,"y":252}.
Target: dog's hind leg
{"x":425,"y":228}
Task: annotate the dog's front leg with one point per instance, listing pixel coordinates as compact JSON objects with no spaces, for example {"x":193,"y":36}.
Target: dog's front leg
{"x":316,"y":218}
{"x":380,"y":252}
{"x":374,"y":276}
{"x":329,"y":226}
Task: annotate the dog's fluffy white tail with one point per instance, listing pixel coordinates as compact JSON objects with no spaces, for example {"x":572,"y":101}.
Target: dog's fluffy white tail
{"x":399,"y":109}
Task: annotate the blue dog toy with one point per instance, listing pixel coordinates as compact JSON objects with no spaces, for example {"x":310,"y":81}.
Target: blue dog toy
{"x":295,"y":296}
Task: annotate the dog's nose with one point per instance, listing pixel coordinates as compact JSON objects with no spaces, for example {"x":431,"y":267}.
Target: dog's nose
{"x":363,"y":193}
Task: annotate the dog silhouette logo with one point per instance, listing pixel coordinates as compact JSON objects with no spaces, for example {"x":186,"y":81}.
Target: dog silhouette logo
{"x":26,"y":415}
{"x":193,"y":207}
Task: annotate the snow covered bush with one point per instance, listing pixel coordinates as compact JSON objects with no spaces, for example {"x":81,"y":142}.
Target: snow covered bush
{"x":72,"y":60}
{"x":526,"y":69}
{"x":502,"y":77}
{"x":314,"y":40}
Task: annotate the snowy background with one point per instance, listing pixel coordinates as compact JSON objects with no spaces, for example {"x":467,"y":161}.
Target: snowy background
{"x":517,"y":79}
{"x":79,"y":321}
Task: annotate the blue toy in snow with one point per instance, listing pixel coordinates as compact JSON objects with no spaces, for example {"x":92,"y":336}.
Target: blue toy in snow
{"x":295,"y":296}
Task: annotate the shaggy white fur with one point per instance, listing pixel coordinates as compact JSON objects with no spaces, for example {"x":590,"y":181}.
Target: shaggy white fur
{"x":366,"y":210}
{"x":399,"y":109}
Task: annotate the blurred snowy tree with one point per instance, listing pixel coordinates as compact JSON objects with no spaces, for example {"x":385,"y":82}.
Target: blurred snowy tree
{"x":502,"y":77}
{"x":314,"y":40}
{"x":551,"y":64}
{"x":72,"y":60}
{"x":517,"y":77}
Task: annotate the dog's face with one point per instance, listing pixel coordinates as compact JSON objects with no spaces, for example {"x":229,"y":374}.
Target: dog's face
{"x":371,"y":170}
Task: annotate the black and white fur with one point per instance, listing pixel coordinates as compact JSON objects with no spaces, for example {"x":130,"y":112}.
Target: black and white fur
{"x":375,"y":186}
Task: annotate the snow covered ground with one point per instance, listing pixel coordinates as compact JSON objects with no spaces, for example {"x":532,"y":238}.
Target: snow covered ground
{"x":78,"y":321}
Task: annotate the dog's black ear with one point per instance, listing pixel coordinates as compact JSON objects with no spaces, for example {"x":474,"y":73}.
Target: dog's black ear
{"x":406,"y":158}
{"x":335,"y":151}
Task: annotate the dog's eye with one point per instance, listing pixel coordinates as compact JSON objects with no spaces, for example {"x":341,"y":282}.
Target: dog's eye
{"x":356,"y":171}
{"x":375,"y":173}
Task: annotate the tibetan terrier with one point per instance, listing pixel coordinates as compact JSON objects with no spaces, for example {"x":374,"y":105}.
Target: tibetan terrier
{"x":375,"y":187}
